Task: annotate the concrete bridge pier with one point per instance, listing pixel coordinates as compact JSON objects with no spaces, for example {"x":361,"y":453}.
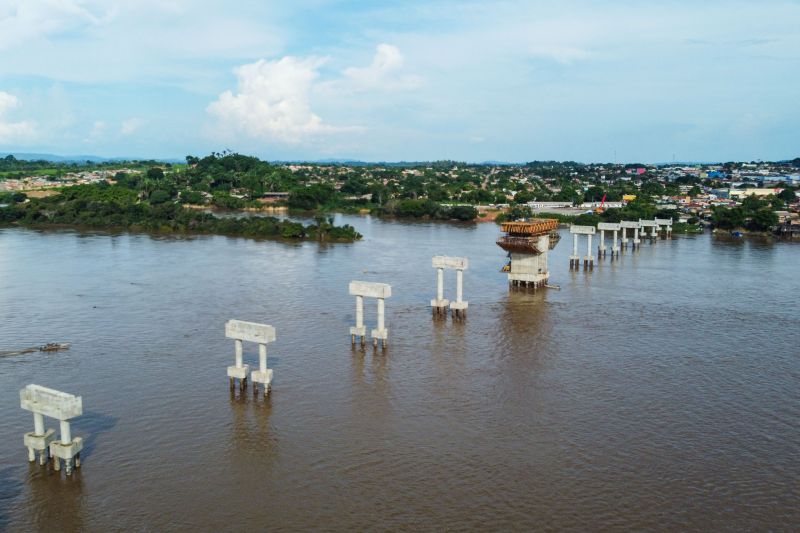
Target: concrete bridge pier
{"x":666,"y":223}
{"x":644,"y":224}
{"x":613,"y":227}
{"x":240,"y":331}
{"x":61,"y":406}
{"x":636,"y":242}
{"x":459,"y":264}
{"x":588,"y":259}
{"x":380,"y":291}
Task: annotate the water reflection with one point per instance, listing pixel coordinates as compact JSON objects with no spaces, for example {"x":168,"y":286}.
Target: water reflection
{"x":251,"y":434}
{"x":55,"y":502}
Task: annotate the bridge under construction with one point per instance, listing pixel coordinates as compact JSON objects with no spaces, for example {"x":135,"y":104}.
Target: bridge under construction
{"x":527,"y":244}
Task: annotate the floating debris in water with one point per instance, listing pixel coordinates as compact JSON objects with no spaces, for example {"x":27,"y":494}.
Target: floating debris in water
{"x":49,"y":347}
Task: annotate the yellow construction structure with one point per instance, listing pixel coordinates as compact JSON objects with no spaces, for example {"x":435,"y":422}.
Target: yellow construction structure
{"x":527,"y":243}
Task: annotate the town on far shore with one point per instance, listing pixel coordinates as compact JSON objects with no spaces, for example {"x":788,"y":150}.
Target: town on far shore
{"x":749,"y":196}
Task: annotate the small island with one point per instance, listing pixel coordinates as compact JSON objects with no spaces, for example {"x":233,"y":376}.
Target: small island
{"x":115,"y":207}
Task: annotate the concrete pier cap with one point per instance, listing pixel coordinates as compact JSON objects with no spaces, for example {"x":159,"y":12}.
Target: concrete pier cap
{"x":628,"y":224}
{"x":50,"y":402}
{"x":249,"y":331}
{"x":455,"y":263}
{"x":582,"y":230}
{"x":369,"y":289}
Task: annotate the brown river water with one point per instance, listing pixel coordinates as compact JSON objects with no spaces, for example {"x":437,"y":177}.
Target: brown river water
{"x":658,"y":392}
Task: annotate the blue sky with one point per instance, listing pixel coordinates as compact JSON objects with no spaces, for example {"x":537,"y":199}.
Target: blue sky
{"x":474,"y":81}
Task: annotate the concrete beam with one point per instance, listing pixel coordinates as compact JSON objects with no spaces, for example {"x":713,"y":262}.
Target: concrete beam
{"x":629,"y":224}
{"x":249,"y":331}
{"x":50,"y":402}
{"x":370,"y":290}
{"x":582,"y":230}
{"x":663,"y":221}
{"x":456,"y":263}
{"x":608,"y":226}
{"x":647,"y":223}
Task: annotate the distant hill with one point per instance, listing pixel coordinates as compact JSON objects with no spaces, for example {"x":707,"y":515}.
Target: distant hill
{"x":23,"y":156}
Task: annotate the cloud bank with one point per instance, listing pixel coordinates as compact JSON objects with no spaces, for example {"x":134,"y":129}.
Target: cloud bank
{"x":13,"y":132}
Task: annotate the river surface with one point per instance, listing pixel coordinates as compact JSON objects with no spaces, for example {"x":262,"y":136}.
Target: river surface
{"x":658,"y":392}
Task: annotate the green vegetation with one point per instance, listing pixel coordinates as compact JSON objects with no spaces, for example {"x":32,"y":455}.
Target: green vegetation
{"x":425,"y":208}
{"x":116,"y":207}
{"x":12,"y":197}
{"x":754,"y":214}
{"x":440,"y":190}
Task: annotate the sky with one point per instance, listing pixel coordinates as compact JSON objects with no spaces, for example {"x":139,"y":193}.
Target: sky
{"x":515,"y":81}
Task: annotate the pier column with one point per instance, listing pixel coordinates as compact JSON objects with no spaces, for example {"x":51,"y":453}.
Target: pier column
{"x":573,"y":260}
{"x":381,"y":321}
{"x":38,"y":423}
{"x":239,"y":351}
{"x":66,"y":432}
{"x":601,"y":249}
{"x":42,"y":440}
{"x":360,"y":320}
{"x":588,"y":261}
{"x":263,"y":375}
{"x":67,"y":449}
{"x":615,"y":248}
{"x":459,"y":307}
{"x":439,"y":305}
{"x":635,"y":238}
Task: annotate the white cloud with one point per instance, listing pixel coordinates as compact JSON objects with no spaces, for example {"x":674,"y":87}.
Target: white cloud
{"x":130,"y":126}
{"x":385,"y":71}
{"x":13,"y":132}
{"x":173,"y":40}
{"x":272,"y":102}
{"x":22,"y":21}
{"x":97,"y":132}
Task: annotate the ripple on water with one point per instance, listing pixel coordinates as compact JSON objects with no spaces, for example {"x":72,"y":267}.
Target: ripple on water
{"x":657,"y":392}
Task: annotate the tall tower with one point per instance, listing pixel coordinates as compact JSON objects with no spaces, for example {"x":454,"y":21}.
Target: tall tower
{"x":527,"y":244}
